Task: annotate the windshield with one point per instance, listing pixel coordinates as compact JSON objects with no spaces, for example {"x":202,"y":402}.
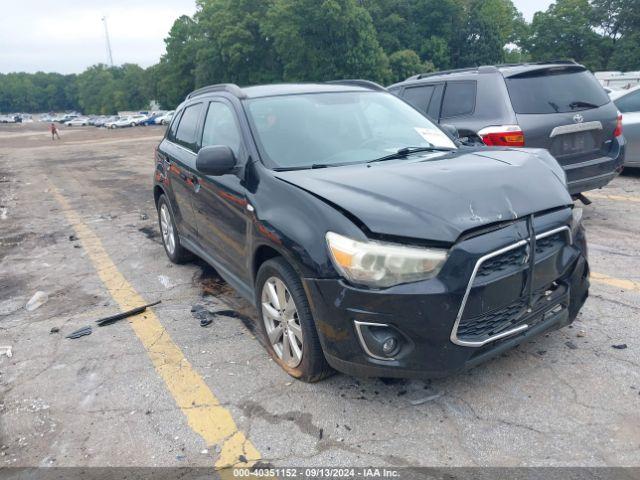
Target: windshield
{"x":555,"y":91}
{"x":297,"y":131}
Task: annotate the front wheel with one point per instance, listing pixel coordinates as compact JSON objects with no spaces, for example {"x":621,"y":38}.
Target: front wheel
{"x":285,"y":321}
{"x":170,"y":239}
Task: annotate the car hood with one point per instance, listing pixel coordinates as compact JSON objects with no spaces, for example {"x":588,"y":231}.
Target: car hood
{"x":441,"y":196}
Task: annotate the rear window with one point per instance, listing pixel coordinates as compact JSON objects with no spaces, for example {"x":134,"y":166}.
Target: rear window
{"x":459,"y":99}
{"x":558,"y":90}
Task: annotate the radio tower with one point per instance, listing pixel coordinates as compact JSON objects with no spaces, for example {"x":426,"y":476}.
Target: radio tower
{"x":106,"y":34}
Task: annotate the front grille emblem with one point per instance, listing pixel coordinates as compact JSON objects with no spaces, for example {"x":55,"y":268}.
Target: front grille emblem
{"x":578,"y":118}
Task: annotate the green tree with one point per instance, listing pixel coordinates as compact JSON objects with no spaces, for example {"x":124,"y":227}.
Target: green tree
{"x":565,"y":30}
{"x":405,"y":63}
{"x":480,"y":40}
{"x":618,"y":22}
{"x":177,"y":66}
{"x":232,"y":47}
{"x":323,"y":40}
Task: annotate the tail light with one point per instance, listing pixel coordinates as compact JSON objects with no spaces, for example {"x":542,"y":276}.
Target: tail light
{"x":502,"y":135}
{"x":618,"y":131}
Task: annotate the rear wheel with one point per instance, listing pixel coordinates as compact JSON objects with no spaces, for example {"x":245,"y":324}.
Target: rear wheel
{"x":286,"y":323}
{"x":170,"y":239}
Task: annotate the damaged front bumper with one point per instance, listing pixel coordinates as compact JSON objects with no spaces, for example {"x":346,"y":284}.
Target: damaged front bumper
{"x":496,"y":290}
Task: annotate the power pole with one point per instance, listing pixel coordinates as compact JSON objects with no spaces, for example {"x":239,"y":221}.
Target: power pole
{"x":106,"y":34}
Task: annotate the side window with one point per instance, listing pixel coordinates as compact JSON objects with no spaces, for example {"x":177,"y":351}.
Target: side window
{"x":459,"y":99}
{"x":419,"y":97}
{"x":629,"y":103}
{"x":433,"y":111}
{"x":187,"y":128}
{"x":220,"y":127}
{"x":171,"y":135}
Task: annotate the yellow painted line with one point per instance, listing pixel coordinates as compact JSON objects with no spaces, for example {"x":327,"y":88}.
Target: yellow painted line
{"x":615,"y":282}
{"x":202,"y":408}
{"x":615,"y":198}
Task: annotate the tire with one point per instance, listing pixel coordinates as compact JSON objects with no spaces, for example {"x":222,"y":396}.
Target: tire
{"x":169,"y":233}
{"x":132,"y":124}
{"x":312,"y":366}
{"x":163,"y":122}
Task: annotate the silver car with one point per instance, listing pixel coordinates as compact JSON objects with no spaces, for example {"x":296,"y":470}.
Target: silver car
{"x":628,"y":102}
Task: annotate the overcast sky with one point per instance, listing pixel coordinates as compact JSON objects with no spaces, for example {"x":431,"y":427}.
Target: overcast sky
{"x":68,"y":36}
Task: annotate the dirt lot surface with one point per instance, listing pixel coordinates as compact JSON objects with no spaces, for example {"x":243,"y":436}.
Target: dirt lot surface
{"x":77,"y":221}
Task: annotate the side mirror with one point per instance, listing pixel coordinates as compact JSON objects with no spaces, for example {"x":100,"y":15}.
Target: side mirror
{"x":216,"y":160}
{"x":452,"y":130}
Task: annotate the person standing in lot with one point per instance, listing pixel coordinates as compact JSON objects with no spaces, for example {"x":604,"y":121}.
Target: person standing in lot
{"x":54,"y":131}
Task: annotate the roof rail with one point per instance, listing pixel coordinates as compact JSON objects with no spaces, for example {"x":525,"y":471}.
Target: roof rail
{"x":231,"y":88}
{"x":489,"y":68}
{"x":446,"y":72}
{"x":360,"y":83}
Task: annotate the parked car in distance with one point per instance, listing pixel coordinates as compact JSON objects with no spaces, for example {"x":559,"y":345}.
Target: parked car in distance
{"x":628,"y":102}
{"x":66,"y":117}
{"x":558,"y":106}
{"x":127,"y":121}
{"x":367,"y":239}
{"x":77,"y":122}
{"x":102,"y":121}
{"x":8,"y":118}
{"x":150,"y":119}
{"x":164,"y":119}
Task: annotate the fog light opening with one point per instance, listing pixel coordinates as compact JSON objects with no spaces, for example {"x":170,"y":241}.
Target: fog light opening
{"x":379,"y":340}
{"x":389,"y":346}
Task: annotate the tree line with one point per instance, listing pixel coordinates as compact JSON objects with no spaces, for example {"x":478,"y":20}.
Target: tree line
{"x":249,"y":42}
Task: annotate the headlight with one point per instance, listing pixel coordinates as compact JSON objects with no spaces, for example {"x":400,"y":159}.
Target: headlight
{"x":576,"y":219}
{"x":378,"y":264}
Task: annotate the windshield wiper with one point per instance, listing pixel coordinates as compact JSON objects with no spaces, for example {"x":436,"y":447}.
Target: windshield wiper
{"x":581,"y":104}
{"x":406,"y":151}
{"x":307,"y":167}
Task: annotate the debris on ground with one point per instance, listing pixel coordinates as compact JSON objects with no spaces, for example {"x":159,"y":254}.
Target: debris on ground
{"x":571,"y":345}
{"x":39,"y":298}
{"x":541,"y":352}
{"x":620,"y":346}
{"x":206,"y":316}
{"x":72,"y":238}
{"x":420,"y":401}
{"x":581,"y":333}
{"x":165,"y":281}
{"x":6,"y":351}
{"x":144,"y":216}
{"x":54,"y":330}
{"x":119,"y":316}
{"x":81,"y":332}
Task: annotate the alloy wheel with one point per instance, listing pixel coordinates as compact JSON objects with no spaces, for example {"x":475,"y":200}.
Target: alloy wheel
{"x":281,"y":321}
{"x":166,"y":225}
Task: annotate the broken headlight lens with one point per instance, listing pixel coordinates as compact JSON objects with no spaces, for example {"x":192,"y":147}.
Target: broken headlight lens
{"x":378,"y":264}
{"x":576,"y":219}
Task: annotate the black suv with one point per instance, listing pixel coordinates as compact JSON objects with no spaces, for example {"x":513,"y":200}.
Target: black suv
{"x":559,"y":106}
{"x":368,"y":240}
